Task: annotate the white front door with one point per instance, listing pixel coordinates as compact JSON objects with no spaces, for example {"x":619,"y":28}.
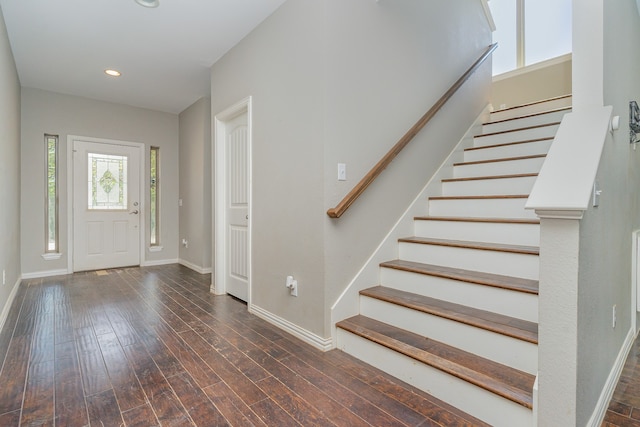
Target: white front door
{"x":106,"y":205}
{"x":237,"y":202}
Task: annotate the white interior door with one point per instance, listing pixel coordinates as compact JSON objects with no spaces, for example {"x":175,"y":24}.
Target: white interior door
{"x":106,"y":205}
{"x":237,"y":206}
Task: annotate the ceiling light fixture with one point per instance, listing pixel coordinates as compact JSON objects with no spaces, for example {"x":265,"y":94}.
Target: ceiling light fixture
{"x":112,"y":73}
{"x":148,"y":3}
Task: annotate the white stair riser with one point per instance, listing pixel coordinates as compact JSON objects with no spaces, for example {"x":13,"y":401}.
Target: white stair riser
{"x":515,"y":136}
{"x":507,"y":233}
{"x":488,"y":187}
{"x":530,"y":109}
{"x":506,"y":350}
{"x":507,"y":151}
{"x":538,"y":119}
{"x":481,"y":208}
{"x":507,"y":167}
{"x":498,"y":300}
{"x":474,"y":400}
{"x":504,"y":263}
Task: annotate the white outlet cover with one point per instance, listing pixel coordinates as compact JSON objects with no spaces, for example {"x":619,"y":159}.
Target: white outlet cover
{"x":342,"y":171}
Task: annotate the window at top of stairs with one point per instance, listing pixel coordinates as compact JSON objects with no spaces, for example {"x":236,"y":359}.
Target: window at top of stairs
{"x":529,"y":31}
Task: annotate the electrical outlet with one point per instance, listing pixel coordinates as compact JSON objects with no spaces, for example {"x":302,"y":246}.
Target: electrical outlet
{"x":615,"y":318}
{"x":292,"y":285}
{"x":342,"y":172}
{"x":185,"y":243}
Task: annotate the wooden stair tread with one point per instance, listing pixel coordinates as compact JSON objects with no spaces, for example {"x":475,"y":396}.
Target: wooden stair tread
{"x":504,"y":381}
{"x":526,"y":116}
{"x":491,"y":196}
{"x":505,"y":144}
{"x":517,"y":284}
{"x":483,"y":220}
{"x":528,"y":104}
{"x":480,"y":178}
{"x":498,"y":323}
{"x":497,"y":247}
{"x":517,"y":129}
{"x":502,"y":159}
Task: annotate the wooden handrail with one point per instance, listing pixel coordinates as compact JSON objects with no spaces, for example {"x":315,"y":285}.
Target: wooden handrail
{"x":388,"y":158}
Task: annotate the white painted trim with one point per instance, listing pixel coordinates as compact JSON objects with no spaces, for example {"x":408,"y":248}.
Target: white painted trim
{"x":218,"y":186}
{"x":9,"y":303}
{"x":196,"y":268}
{"x":323,"y":344}
{"x":70,"y":193}
{"x":489,"y":15}
{"x":612,"y":380}
{"x":558,"y":192}
{"x":346,"y":305}
{"x":559,"y":213}
{"x":533,"y":67}
{"x":51,"y":256}
{"x":151,"y":263}
{"x":535,"y":402}
{"x":46,"y":273}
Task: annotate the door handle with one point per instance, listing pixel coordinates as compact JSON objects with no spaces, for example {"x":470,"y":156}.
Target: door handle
{"x":134,"y":212}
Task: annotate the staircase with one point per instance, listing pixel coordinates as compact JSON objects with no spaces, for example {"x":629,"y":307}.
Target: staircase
{"x":456,"y":315}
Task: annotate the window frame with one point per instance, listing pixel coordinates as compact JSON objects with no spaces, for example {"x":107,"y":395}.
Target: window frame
{"x":154,"y":202}
{"x":520,"y":45}
{"x":55,"y":139}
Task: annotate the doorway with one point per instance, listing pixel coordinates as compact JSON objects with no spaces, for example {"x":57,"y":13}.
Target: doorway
{"x":107,"y":220}
{"x":232,"y":198}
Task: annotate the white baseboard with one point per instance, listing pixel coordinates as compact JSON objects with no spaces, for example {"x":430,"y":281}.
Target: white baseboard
{"x":47,"y":273}
{"x":159,"y":262}
{"x":323,"y":344}
{"x":9,"y":303}
{"x":610,"y":386}
{"x":196,"y":268}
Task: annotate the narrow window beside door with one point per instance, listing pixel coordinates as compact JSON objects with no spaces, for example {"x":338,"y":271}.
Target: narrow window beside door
{"x":51,"y":196}
{"x":154,"y":197}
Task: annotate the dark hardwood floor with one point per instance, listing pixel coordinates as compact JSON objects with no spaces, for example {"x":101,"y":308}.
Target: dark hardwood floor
{"x":151,"y":346}
{"x":624,"y":408}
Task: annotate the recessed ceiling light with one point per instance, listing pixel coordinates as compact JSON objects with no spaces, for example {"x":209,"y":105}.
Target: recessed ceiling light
{"x":112,"y":73}
{"x":148,"y":3}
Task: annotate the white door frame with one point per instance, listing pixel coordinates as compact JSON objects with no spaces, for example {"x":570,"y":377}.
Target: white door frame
{"x":70,"y":191}
{"x":218,"y":280}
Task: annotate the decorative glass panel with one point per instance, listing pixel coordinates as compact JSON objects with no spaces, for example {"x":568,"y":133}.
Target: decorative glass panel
{"x":107,"y":182}
{"x":51,"y":207}
{"x":154,"y":186}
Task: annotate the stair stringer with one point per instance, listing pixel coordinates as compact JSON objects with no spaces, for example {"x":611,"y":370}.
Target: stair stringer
{"x":347,"y":304}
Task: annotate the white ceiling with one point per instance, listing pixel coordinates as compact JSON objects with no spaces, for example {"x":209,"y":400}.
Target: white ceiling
{"x":164,"y":54}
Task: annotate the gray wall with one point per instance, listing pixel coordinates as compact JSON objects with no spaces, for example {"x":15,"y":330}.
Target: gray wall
{"x":540,"y":83}
{"x":195,"y":185}
{"x":605,"y":232}
{"x":380,"y":80}
{"x":63,"y":115}
{"x":337,"y":81}
{"x":10,"y":170}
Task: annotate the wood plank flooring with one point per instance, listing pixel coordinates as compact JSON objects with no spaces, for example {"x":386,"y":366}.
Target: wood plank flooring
{"x":624,"y":408}
{"x":152,"y":347}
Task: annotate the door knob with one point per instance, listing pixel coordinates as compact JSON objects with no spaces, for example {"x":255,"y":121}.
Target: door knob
{"x":134,"y":212}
